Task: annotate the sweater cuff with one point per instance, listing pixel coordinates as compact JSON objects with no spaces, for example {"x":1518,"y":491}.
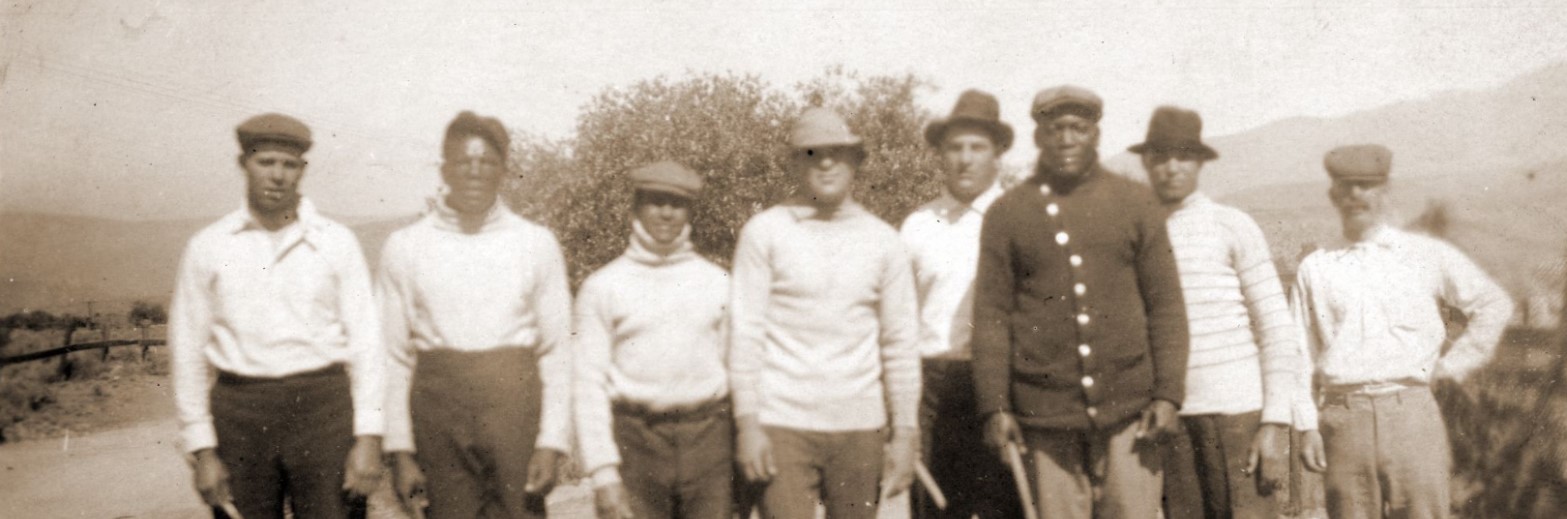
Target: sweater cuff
{"x":606,"y":476}
{"x":369,"y":422}
{"x":198,"y":436}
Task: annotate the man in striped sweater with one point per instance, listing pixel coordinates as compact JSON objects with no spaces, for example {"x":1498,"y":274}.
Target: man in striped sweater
{"x":823,"y":356}
{"x":1231,"y":455}
{"x":652,"y":393}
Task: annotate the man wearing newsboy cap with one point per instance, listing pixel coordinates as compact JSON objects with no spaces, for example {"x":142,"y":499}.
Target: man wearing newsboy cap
{"x":1229,"y":453}
{"x":943,"y":241}
{"x":652,"y":406}
{"x":276,"y":354}
{"x":823,"y":357}
{"x":477,"y":319}
{"x":1371,"y":309}
{"x":1080,"y":337}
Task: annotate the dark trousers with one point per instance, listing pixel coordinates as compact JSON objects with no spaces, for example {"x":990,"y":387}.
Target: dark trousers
{"x":677,"y":463}
{"x":475,"y":419}
{"x":971,"y":477}
{"x":286,"y":439}
{"x":841,"y":470}
{"x":1203,"y":475}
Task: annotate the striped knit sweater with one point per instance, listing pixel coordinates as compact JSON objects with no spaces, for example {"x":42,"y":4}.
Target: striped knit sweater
{"x":1243,"y":353}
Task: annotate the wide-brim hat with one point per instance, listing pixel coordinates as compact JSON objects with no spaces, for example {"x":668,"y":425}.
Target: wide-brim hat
{"x":1174,"y":128}
{"x":819,"y":127}
{"x":976,"y":108}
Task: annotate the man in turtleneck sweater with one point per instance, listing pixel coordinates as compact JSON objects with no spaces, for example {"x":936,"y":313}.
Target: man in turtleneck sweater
{"x":652,"y":407}
{"x":476,"y":316}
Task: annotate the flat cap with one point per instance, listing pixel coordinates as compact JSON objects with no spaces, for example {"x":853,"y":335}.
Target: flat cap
{"x":1053,"y":99}
{"x":667,"y":177}
{"x":819,"y":127}
{"x":1359,"y":162}
{"x":273,"y":130}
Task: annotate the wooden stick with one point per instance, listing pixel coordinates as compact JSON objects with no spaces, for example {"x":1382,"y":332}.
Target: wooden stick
{"x":929,"y":482}
{"x":231,"y":510}
{"x":1020,"y":476}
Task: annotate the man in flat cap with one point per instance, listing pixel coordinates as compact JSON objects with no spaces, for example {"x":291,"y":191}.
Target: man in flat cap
{"x":277,"y":361}
{"x":1230,"y":453}
{"x":943,"y":241}
{"x":652,"y":390}
{"x":477,"y":319}
{"x":1371,"y":310}
{"x":823,"y":357}
{"x":1080,"y":337}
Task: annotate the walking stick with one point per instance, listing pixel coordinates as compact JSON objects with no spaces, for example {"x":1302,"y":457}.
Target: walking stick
{"x":1020,"y":477}
{"x":231,"y":510}
{"x":929,"y":482}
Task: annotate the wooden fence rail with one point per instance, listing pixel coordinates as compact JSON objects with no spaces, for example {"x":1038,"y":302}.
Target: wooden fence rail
{"x":104,"y":345}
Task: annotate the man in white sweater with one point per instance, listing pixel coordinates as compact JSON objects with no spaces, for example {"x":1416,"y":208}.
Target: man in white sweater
{"x":1244,"y":356}
{"x":823,"y":357}
{"x":477,"y":316}
{"x":652,"y":407}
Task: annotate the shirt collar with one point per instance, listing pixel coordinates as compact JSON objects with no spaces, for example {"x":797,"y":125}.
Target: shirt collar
{"x":952,"y":209}
{"x":802,"y":210}
{"x":1196,"y":199}
{"x":1382,"y":236}
{"x":448,"y":219}
{"x":244,"y":220}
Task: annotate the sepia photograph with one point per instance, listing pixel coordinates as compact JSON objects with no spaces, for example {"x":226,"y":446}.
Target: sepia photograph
{"x":918,"y":259}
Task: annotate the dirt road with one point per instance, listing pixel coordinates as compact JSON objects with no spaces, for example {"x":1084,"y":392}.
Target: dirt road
{"x":135,"y":471}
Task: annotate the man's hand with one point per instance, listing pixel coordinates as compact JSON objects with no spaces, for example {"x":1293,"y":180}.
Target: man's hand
{"x":899,"y":472}
{"x":1157,"y":422}
{"x":754,"y":452}
{"x":408,"y":482}
{"x":1312,"y":453}
{"x":363,"y":471}
{"x":611,"y":502}
{"x":1000,"y":431}
{"x":1267,"y":458}
{"x":541,"y":471}
{"x":212,"y":479}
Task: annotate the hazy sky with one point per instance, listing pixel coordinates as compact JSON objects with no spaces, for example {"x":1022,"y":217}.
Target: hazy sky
{"x":126,"y":108}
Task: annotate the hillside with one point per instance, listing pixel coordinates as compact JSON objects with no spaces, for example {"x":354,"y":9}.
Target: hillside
{"x":1476,"y":135}
{"x":58,"y":262}
{"x":1514,"y":225}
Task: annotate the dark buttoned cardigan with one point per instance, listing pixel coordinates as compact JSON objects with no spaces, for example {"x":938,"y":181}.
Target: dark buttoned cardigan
{"x":1078,"y":314}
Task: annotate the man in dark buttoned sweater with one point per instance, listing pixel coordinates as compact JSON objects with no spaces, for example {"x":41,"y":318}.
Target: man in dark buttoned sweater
{"x":1080,"y":339}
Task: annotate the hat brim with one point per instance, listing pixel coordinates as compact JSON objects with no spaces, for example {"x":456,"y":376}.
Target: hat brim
{"x":856,"y":142}
{"x":1207,"y":153}
{"x":1059,"y":106}
{"x":1000,"y":132}
{"x":666,"y":189}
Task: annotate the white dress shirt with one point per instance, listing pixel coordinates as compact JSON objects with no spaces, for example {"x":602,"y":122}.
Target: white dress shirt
{"x":943,"y":241}
{"x":260,"y":303}
{"x":1371,"y":314}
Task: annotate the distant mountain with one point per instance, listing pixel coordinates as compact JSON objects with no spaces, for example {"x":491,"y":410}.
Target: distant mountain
{"x":1478,"y":135}
{"x":59,"y":263}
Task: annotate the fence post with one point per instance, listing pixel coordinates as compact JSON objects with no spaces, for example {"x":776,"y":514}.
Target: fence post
{"x":143,"y":341}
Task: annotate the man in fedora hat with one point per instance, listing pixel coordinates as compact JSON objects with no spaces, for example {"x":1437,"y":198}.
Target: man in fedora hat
{"x":1230,"y":454}
{"x":943,"y":240}
{"x":652,"y":391}
{"x":1080,"y":337}
{"x":277,"y":362}
{"x":476,"y":316}
{"x":1371,"y":308}
{"x":823,"y":358}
